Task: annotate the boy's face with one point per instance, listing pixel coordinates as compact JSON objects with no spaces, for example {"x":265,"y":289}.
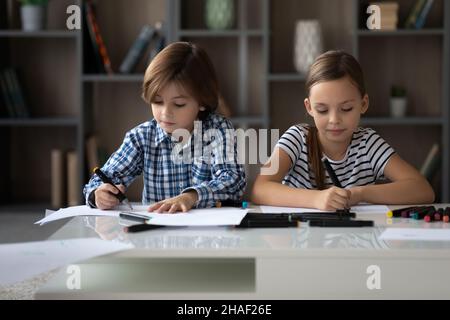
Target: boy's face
{"x":173,"y":108}
{"x":336,"y":107}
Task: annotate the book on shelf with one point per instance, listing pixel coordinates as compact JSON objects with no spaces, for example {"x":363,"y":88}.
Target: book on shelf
{"x":97,"y":48}
{"x":12,"y":95}
{"x":58,"y":179}
{"x":137,"y":49}
{"x":388,"y":15}
{"x":414,"y":14}
{"x":159,"y":40}
{"x":431,"y":164}
{"x":423,"y":14}
{"x":8,"y":109}
{"x":73,"y":183}
{"x":92,"y":157}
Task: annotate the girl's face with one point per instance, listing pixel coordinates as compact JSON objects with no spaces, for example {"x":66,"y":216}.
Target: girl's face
{"x":173,"y":108}
{"x":336,"y":107}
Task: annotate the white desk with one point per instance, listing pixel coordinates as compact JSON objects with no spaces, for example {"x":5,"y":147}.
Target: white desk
{"x":278,"y":263}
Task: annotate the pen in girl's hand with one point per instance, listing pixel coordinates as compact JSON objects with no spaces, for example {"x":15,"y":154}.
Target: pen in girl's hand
{"x":106,"y":179}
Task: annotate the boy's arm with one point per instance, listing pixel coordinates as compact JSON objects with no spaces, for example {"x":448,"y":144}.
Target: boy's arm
{"x":122,"y":167}
{"x":408,"y":186}
{"x":228,"y":176}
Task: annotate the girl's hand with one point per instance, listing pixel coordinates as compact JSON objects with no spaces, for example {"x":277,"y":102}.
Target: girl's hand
{"x":333,"y":199}
{"x":104,"y":196}
{"x":183,"y":202}
{"x":356,"y":195}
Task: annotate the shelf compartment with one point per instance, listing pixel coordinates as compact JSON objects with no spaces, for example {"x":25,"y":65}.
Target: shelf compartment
{"x":219,"y":33}
{"x":113,"y":78}
{"x":280,"y":77}
{"x":400,"y":32}
{"x":39,"y":34}
{"x":39,"y":122}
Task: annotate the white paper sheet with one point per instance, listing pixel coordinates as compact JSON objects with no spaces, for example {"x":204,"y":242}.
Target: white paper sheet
{"x":370,"y":209}
{"x":273,"y":209}
{"x":360,"y":209}
{"x":200,"y":217}
{"x":415,"y":234}
{"x":20,"y":261}
{"x":195,"y":217}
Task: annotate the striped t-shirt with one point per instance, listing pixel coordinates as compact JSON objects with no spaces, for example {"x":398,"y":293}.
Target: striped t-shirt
{"x":363,"y":164}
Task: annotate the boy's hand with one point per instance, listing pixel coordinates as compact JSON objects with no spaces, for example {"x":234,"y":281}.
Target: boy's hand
{"x":183,"y":202}
{"x":333,"y":199}
{"x":104,"y":196}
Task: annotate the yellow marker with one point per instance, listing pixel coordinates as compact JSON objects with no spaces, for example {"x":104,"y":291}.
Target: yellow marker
{"x":389,"y":214}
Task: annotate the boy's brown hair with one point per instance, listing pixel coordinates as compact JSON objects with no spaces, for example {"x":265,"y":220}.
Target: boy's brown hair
{"x":189,"y":66}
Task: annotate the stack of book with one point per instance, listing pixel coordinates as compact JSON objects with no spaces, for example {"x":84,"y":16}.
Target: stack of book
{"x":150,"y":39}
{"x":418,"y":14}
{"x":65,"y":174}
{"x":96,"y":56}
{"x":65,"y":184}
{"x":388,"y":15}
{"x":148,"y":35}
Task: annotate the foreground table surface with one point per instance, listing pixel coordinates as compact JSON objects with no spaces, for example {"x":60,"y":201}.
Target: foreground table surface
{"x":272,"y":263}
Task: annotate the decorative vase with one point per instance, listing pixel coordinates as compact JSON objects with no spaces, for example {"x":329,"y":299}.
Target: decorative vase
{"x":398,"y":106}
{"x":219,"y":14}
{"x":308,"y":44}
{"x":33,"y":17}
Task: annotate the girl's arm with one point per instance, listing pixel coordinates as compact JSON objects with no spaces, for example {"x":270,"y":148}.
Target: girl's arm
{"x":408,"y":186}
{"x":268,"y":189}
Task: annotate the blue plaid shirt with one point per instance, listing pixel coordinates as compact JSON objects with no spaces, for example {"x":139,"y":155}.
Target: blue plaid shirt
{"x":149,"y":150}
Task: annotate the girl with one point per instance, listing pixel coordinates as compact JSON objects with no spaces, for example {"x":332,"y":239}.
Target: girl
{"x":336,"y":98}
{"x":181,"y":87}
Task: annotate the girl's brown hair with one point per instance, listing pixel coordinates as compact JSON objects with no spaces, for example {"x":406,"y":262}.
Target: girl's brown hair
{"x":189,"y":66}
{"x":331,"y":65}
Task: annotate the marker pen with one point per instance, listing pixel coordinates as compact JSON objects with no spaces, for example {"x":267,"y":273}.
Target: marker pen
{"x":398,"y":212}
{"x":446,"y":217}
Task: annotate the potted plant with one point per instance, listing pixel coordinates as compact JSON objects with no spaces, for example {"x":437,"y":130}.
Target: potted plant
{"x":33,"y":14}
{"x":398,"y":102}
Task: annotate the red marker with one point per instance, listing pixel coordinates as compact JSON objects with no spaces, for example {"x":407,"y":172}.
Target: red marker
{"x":446,"y":217}
{"x":429,"y":217}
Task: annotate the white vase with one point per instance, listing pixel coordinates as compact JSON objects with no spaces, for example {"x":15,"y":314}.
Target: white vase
{"x":398,"y":106}
{"x":33,"y":17}
{"x":307,"y":44}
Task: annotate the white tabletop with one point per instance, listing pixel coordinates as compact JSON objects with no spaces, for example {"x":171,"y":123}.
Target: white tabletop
{"x":260,"y":263}
{"x":230,"y":241}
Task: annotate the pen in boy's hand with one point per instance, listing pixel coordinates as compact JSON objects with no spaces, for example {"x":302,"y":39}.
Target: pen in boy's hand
{"x":106,"y":179}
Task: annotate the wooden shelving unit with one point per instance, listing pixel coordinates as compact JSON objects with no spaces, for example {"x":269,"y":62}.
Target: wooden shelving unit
{"x":254,"y":62}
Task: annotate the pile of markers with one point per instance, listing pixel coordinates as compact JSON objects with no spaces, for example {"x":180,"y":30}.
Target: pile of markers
{"x":426,"y":213}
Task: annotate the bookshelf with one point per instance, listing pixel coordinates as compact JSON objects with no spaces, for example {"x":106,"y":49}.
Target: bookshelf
{"x":418,"y":60}
{"x":48,"y":63}
{"x":254,"y":62}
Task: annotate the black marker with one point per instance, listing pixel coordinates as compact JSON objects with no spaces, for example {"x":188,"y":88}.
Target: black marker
{"x":267,"y":223}
{"x":331,"y":173}
{"x":134,"y":216}
{"x":141,"y":227}
{"x":341,"y":223}
{"x":335,"y":180}
{"x":106,"y":179}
